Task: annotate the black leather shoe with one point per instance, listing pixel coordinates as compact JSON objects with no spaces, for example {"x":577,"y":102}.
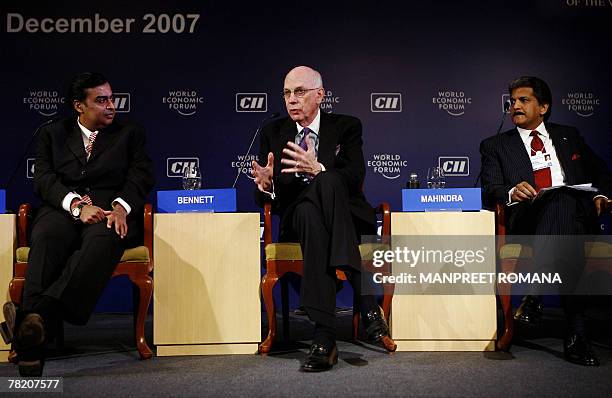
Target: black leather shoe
{"x":29,"y":344}
{"x":320,"y":358}
{"x":7,"y":328}
{"x":576,"y":349}
{"x":530,"y":311}
{"x":375,"y":325}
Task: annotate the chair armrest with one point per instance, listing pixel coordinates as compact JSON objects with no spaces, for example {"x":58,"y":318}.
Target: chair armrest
{"x":384,"y":209}
{"x":148,"y":228}
{"x":500,"y":218}
{"x":23,"y":218}
{"x":267,"y":223}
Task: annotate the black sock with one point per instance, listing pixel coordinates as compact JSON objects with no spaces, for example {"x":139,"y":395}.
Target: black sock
{"x":324,"y":334}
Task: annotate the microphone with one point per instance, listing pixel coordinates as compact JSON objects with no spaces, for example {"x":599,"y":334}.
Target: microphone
{"x":270,"y":116}
{"x":506,"y":108}
{"x":25,"y":152}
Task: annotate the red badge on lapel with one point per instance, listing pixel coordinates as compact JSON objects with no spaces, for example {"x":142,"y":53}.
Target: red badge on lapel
{"x":575,"y":156}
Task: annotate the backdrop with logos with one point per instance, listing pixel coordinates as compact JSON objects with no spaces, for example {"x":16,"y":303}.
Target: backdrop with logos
{"x":427,"y":79}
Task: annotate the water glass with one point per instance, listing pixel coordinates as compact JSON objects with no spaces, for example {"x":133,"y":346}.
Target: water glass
{"x":192,"y":179}
{"x":436,"y":178}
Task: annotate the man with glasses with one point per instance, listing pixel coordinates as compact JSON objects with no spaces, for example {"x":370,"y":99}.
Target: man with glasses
{"x":312,"y":169}
{"x":92,"y":174}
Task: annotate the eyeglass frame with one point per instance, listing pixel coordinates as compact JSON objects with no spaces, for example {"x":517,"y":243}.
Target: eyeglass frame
{"x":302,"y":92}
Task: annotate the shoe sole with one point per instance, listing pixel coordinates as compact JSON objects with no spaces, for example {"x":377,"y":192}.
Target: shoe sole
{"x":8,"y":326}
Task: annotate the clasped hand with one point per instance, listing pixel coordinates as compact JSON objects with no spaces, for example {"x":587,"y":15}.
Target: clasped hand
{"x":91,"y":214}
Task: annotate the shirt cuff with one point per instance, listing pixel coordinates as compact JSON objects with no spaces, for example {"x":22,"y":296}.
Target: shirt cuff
{"x":123,"y":203}
{"x":322,"y":167}
{"x":68,"y":199}
{"x":510,"y":202}
{"x":600,"y":196}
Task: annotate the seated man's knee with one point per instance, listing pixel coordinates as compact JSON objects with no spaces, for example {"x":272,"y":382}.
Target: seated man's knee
{"x":329,"y":178}
{"x":304,"y":210}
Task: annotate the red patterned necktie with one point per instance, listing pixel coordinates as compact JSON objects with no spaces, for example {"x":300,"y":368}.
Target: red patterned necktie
{"x":92,"y":139}
{"x":543,"y":177}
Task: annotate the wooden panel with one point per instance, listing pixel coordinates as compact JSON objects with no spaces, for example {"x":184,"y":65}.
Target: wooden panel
{"x":438,"y":322}
{"x":8,"y":237}
{"x":445,"y":345}
{"x":206,"y":349}
{"x":207,"y":271}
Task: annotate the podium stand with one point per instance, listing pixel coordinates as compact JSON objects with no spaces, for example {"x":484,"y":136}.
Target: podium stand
{"x":7,"y":258}
{"x":444,"y":322}
{"x":206,"y":295}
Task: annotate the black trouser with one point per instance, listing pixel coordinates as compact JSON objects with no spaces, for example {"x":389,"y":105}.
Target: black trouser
{"x":324,"y":226}
{"x":69,"y":262}
{"x":560,"y":222}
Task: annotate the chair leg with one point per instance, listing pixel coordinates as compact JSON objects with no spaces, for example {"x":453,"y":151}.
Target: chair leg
{"x":356,"y":317}
{"x":285,"y":308}
{"x":144,"y":284}
{"x":267,"y":284}
{"x":503,"y":290}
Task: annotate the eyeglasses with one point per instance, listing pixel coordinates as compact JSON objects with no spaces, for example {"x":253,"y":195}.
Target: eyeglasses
{"x":298,"y":92}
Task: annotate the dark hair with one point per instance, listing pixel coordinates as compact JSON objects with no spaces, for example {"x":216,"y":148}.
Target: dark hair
{"x":540,"y":90}
{"x":81,"y":82}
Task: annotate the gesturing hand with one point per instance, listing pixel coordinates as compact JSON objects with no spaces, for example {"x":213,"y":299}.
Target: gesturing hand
{"x":301,"y":161}
{"x":263,"y":175}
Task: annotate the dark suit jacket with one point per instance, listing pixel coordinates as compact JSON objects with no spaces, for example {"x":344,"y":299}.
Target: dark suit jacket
{"x":340,"y":150}
{"x":118,"y":167}
{"x":505,"y":163}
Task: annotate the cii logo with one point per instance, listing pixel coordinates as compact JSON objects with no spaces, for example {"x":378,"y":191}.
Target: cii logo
{"x":386,"y":102}
{"x":175,"y":167}
{"x":455,"y":166}
{"x":30,"y":167}
{"x":122,"y":102}
{"x":251,"y":102}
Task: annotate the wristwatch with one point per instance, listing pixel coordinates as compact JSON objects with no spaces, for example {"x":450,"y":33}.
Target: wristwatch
{"x":76,"y":210}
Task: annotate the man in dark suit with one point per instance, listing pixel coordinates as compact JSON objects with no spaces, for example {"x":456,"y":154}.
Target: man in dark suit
{"x":319,"y":198}
{"x":537,"y":154}
{"x":92,"y":174}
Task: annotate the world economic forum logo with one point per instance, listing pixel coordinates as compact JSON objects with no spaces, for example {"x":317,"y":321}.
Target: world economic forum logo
{"x":455,"y":166}
{"x":386,"y":102}
{"x":389,"y":165}
{"x":329,"y":101}
{"x":583,"y":103}
{"x":243,"y":164}
{"x":184,"y":102}
{"x":44,"y":102}
{"x":251,"y":102}
{"x":453,"y":102}
{"x":175,"y":167}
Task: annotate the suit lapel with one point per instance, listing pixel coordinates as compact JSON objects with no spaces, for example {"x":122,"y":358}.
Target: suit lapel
{"x":75,"y":144}
{"x":328,"y":137}
{"x":104,"y":140}
{"x":518,"y":152}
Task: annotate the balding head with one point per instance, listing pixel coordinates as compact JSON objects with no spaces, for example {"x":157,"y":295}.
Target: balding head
{"x":303,"y":107}
{"x":305,"y":74}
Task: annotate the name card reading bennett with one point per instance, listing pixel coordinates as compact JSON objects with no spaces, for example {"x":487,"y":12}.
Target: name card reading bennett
{"x":198,"y":200}
{"x":462,"y":199}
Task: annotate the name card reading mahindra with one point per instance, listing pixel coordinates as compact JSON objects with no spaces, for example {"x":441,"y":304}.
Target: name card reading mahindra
{"x":198,"y":200}
{"x":459,"y":199}
{"x":2,"y":201}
